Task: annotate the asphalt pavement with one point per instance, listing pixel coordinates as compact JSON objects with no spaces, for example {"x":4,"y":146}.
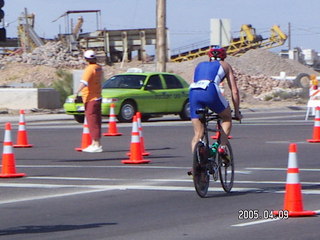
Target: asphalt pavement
{"x":47,"y":115}
{"x":73,"y":195}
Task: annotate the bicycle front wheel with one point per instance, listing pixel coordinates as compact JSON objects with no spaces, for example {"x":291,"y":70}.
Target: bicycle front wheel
{"x":226,"y":169}
{"x":200,"y":172}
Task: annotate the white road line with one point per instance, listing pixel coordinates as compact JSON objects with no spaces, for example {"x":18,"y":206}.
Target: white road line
{"x":90,"y":166}
{"x":317,"y":192}
{"x":283,"y":169}
{"x":159,"y":180}
{"x":120,"y":187}
{"x":122,"y":125}
{"x":111,"y":179}
{"x":274,"y":182}
{"x":125,"y":166}
{"x":44,"y":197}
{"x":256,"y":222}
{"x":243,"y":172}
{"x":266,"y":118}
{"x":101,"y":188}
{"x":285,"y":142}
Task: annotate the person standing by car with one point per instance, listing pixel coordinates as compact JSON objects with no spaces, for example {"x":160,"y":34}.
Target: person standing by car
{"x":90,"y":88}
{"x":205,"y":92}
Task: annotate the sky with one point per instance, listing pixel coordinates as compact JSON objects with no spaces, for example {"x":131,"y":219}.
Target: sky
{"x":188,"y":21}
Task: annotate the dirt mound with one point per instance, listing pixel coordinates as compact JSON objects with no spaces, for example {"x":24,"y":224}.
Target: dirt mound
{"x":25,"y":73}
{"x":263,"y":62}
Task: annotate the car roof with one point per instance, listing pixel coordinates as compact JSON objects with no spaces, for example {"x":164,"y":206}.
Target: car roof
{"x":144,"y":73}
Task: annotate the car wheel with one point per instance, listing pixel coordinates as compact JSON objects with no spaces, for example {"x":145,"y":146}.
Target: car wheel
{"x":127,"y":111}
{"x":185,"y":113}
{"x":79,"y":118}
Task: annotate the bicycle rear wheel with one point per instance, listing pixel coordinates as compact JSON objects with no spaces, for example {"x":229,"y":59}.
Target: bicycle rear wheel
{"x":200,"y":172}
{"x":226,"y":170}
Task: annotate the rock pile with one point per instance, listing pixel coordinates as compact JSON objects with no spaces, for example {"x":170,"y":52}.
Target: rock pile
{"x":53,"y":54}
{"x":256,"y":85}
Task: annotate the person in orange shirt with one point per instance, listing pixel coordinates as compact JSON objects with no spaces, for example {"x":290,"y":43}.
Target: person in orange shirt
{"x":90,"y":88}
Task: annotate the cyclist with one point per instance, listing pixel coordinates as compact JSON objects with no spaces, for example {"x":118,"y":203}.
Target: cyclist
{"x":205,"y":92}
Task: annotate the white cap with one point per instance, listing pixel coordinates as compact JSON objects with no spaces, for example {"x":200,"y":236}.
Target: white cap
{"x":89,"y":54}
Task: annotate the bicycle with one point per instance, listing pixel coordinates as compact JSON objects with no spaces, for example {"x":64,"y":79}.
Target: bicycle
{"x":208,"y":161}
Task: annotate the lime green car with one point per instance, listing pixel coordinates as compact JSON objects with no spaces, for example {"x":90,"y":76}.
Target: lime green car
{"x":151,"y":93}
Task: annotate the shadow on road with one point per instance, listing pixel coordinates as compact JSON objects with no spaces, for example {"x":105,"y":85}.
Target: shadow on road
{"x":49,"y":229}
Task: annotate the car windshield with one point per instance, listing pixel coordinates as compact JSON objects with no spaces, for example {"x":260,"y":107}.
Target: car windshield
{"x":125,"y":81}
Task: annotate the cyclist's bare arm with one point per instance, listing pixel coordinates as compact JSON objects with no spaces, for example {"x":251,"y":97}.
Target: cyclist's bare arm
{"x":233,"y":88}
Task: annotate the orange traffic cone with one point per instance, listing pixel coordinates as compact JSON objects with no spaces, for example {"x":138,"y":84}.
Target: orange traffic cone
{"x":135,"y":147}
{"x":113,"y":130}
{"x":316,"y":128}
{"x":293,"y":202}
{"x":143,"y":151}
{"x":8,"y":159}
{"x":86,"y":138}
{"x":22,"y":137}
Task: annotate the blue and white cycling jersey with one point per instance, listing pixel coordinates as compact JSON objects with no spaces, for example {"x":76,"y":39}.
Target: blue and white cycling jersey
{"x":205,"y":91}
{"x":212,"y":71}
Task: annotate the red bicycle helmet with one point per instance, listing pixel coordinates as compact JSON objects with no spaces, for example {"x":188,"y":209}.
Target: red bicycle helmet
{"x":217,"y":53}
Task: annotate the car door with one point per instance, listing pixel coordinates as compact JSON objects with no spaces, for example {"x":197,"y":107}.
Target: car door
{"x":155,"y":97}
{"x":176,"y":92}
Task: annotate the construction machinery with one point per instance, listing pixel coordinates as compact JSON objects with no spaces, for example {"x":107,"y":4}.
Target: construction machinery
{"x":247,"y":40}
{"x":27,"y":36}
{"x":72,"y":33}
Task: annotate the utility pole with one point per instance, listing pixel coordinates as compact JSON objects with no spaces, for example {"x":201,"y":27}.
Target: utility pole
{"x":289,"y":36}
{"x":161,"y":45}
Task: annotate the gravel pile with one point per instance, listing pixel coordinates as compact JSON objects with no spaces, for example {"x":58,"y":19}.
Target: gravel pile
{"x":53,"y":54}
{"x":263,"y":62}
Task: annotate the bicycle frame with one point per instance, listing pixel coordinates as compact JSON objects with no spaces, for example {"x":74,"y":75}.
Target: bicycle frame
{"x":205,"y":163}
{"x":206,"y":118}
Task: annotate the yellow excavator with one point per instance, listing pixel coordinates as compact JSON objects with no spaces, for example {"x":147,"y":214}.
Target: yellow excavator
{"x":247,"y":40}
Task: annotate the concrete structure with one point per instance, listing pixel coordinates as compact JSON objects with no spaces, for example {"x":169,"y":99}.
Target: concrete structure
{"x":220,"y":32}
{"x":118,"y":45}
{"x":28,"y":98}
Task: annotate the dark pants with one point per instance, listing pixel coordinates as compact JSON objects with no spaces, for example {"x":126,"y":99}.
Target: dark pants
{"x":93,"y":116}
